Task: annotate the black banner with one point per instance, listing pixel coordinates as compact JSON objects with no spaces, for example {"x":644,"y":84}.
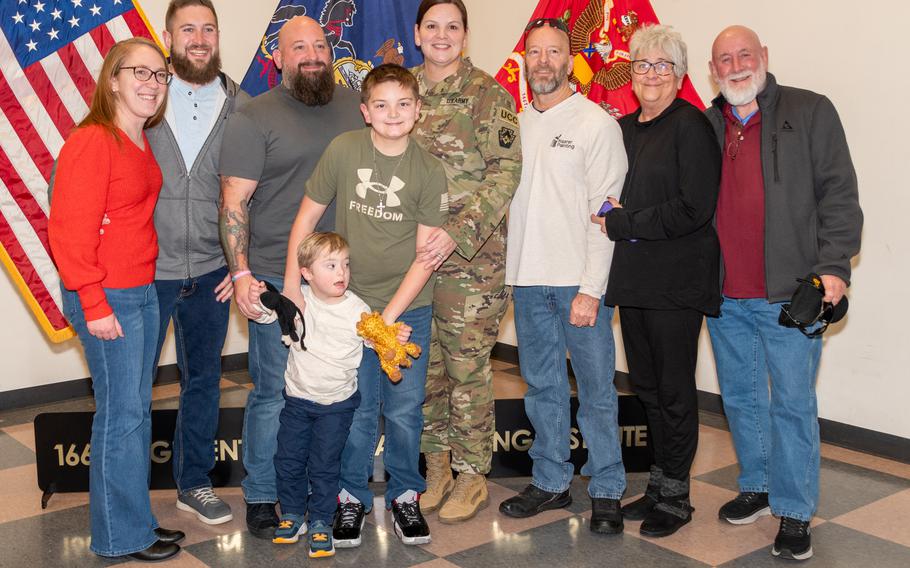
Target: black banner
{"x":62,"y":448}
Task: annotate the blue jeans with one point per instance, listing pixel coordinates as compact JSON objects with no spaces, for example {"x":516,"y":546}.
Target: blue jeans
{"x":200,"y":326}
{"x":401,"y":405}
{"x":775,"y":435}
{"x":121,"y":514}
{"x":544,"y":334}
{"x":268,"y":359}
{"x":308,"y":461}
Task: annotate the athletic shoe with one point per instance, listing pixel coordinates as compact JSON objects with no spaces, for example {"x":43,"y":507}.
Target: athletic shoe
{"x":321,"y":540}
{"x":532,"y":500}
{"x":606,"y":516}
{"x":261,"y":519}
{"x":209,"y":508}
{"x":290,"y":527}
{"x":746,"y":508}
{"x":409,"y":524}
{"x":793,"y":540}
{"x":346,"y":529}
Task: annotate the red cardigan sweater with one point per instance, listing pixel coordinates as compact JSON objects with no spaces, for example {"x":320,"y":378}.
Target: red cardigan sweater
{"x":97,"y":176}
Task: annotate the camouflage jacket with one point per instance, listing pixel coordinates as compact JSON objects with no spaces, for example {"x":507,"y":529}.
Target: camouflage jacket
{"x":468,"y":121}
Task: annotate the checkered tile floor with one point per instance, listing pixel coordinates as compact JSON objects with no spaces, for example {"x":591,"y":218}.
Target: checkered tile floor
{"x":863,"y":517}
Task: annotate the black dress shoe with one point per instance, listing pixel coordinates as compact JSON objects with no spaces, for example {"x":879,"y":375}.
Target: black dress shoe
{"x":261,"y":520}
{"x":157,"y":552}
{"x":606,"y":516}
{"x":532,"y":500}
{"x":169,"y":536}
{"x":660,"y":522}
{"x":637,"y":510}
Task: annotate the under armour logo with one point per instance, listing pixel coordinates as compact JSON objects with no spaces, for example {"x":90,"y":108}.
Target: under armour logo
{"x":367,"y":183}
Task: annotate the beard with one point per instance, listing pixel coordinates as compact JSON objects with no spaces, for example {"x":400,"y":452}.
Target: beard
{"x":312,"y":89}
{"x":193,"y":74}
{"x":547,"y":86}
{"x":738,"y":94}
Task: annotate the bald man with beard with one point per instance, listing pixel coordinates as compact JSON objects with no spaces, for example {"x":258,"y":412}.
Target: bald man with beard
{"x":269,"y":150}
{"x":788,"y":206}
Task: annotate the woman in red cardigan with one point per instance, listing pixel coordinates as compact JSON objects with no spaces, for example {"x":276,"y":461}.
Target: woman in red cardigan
{"x":106,"y":175}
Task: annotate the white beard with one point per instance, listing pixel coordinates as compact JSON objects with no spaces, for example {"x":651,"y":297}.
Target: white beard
{"x":738,"y":94}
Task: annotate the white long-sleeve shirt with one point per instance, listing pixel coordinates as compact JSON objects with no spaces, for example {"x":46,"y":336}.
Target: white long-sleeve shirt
{"x":573,"y":158}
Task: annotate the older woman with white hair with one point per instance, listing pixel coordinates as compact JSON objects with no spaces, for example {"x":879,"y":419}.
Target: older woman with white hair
{"x":664,"y":275}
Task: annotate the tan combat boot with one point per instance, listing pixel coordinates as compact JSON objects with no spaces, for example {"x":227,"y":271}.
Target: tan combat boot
{"x":469,"y":496}
{"x":439,"y":481}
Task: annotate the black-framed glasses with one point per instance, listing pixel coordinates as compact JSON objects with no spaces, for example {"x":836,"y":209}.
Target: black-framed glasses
{"x":662,"y":68}
{"x":552,"y":22}
{"x":144,"y":74}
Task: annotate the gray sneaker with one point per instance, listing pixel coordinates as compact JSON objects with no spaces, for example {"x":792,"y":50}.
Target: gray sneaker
{"x":209,"y":508}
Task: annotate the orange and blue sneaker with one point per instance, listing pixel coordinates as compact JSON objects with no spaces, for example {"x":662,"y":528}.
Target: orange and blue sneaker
{"x":290,"y":527}
{"x":321,"y":544}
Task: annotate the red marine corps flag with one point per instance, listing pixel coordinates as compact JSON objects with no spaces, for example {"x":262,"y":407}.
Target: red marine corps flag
{"x":50,"y":54}
{"x":599,"y":40}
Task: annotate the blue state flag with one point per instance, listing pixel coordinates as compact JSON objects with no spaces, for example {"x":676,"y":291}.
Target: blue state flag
{"x":363,"y":34}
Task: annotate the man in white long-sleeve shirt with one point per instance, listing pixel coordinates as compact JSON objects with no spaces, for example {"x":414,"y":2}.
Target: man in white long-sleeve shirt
{"x":558,"y":263}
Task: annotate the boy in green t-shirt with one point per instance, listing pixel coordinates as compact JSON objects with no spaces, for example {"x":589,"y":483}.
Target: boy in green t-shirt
{"x":390,"y":193}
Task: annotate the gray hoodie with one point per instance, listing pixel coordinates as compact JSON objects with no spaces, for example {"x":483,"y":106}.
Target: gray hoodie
{"x":186,"y":217}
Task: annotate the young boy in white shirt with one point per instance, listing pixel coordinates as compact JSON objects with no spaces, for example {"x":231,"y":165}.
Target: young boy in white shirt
{"x":320,"y":393}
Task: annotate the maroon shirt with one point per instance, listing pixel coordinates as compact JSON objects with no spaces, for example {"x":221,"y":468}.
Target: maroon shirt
{"x":741,"y":208}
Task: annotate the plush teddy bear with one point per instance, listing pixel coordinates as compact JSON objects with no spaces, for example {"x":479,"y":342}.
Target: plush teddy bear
{"x":384,"y":338}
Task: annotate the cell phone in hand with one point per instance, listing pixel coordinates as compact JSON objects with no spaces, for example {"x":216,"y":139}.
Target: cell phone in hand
{"x":605,"y":208}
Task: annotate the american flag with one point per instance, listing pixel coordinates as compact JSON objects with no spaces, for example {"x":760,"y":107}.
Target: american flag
{"x":50,"y":54}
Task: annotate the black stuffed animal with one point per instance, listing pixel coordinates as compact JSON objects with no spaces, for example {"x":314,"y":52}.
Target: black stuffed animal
{"x":290,"y":318}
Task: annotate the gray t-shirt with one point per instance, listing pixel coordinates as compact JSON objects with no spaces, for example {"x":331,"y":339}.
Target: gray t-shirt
{"x":277,"y":141}
{"x":379,"y":210}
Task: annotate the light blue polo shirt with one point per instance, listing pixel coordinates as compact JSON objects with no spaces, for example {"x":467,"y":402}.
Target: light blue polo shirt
{"x":192,"y":113}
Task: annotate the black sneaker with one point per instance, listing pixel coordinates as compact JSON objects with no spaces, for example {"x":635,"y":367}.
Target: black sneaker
{"x":410,"y":526}
{"x":606,"y":516}
{"x":746,"y":508}
{"x":346,"y":529}
{"x":532,"y":500}
{"x":793,"y":540}
{"x":261,"y":520}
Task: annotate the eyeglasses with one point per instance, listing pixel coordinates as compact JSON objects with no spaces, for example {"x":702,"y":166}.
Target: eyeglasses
{"x":552,"y":22}
{"x":144,"y":74}
{"x":662,"y":68}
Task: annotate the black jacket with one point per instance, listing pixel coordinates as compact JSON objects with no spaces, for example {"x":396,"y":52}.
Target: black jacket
{"x":813,"y":220}
{"x":667,"y":253}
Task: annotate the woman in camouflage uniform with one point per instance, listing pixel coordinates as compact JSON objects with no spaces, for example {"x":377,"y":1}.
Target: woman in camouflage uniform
{"x":468,"y":122}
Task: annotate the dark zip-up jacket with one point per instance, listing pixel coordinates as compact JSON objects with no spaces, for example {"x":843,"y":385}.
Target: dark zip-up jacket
{"x":186,"y":217}
{"x":813,"y":220}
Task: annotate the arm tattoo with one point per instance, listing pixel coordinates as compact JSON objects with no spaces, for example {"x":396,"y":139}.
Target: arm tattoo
{"x":234,"y":230}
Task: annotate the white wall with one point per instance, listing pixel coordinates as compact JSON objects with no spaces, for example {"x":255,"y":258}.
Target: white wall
{"x":822,"y":45}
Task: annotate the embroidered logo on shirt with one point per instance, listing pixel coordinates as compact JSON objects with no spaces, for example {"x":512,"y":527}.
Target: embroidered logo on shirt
{"x":507,"y":116}
{"x":506,"y":136}
{"x":786,"y":126}
{"x":560,"y":142}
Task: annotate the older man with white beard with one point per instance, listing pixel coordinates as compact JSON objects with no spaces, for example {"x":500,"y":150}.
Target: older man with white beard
{"x":788,"y":206}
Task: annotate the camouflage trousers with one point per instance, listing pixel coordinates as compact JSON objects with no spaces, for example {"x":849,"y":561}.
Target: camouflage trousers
{"x":458,"y":410}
